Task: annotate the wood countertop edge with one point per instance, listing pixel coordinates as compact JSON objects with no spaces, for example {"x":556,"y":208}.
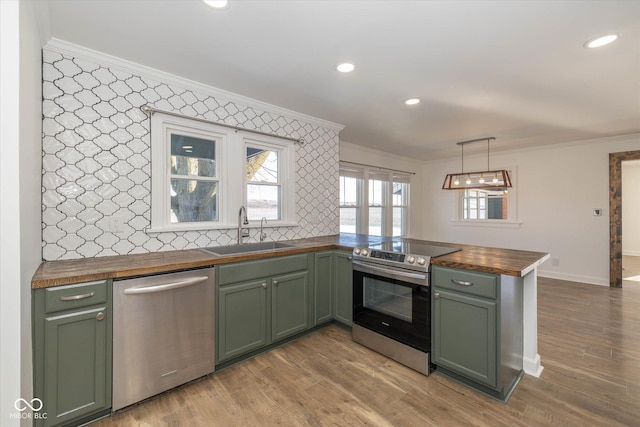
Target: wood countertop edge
{"x":123,"y":266}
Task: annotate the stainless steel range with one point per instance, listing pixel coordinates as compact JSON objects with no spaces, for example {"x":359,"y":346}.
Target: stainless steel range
{"x":392,"y":300}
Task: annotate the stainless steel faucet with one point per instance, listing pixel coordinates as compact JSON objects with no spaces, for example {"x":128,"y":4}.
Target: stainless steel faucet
{"x":262,"y":234}
{"x":241,"y":231}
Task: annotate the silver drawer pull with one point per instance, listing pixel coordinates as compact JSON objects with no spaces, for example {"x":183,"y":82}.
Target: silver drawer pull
{"x":77,"y":297}
{"x":461,"y":283}
{"x":100,"y":316}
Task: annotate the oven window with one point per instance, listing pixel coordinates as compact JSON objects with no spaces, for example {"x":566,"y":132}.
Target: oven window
{"x":388,"y":298}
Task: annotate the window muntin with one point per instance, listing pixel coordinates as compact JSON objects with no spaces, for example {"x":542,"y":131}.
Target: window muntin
{"x":350,"y":202}
{"x":377,"y":205}
{"x":400,"y":203}
{"x":193,"y":181}
{"x":199,"y":180}
{"x":267,"y":167}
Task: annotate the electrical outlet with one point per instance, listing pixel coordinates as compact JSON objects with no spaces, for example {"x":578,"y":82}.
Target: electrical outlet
{"x":116,"y":224}
{"x":555,"y":262}
{"x":597,"y":212}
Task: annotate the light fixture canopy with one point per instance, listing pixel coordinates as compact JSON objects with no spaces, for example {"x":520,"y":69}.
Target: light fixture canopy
{"x":499,"y":179}
{"x":412,"y":101}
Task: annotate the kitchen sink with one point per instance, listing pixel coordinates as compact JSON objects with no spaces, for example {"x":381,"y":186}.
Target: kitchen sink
{"x":248,"y":247}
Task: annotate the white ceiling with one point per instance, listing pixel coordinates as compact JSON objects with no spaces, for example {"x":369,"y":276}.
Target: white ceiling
{"x":514,"y":70}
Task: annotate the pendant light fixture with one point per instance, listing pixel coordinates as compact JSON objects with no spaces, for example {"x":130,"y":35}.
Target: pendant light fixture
{"x":488,"y":179}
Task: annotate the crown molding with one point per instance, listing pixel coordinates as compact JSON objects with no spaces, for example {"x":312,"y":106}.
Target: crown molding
{"x":71,"y":49}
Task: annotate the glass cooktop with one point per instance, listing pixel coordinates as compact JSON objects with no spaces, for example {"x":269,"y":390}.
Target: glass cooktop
{"x":413,"y":248}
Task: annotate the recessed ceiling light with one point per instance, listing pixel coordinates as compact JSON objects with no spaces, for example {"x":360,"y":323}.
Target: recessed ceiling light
{"x":601,"y":41}
{"x":412,"y":101}
{"x":217,"y":4}
{"x":345,"y":67}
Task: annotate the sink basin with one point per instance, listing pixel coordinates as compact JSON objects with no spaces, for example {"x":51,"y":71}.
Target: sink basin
{"x":248,"y":247}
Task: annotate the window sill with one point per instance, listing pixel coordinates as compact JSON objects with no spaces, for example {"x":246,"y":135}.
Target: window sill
{"x":497,"y":223}
{"x":190,"y":227}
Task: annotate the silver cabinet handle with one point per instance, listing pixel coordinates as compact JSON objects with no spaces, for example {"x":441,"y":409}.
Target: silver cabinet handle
{"x":276,"y":283}
{"x":436,"y":295}
{"x":166,"y":287}
{"x":100,"y":316}
{"x":461,"y":283}
{"x":350,"y":258}
{"x":77,"y":297}
{"x":264,"y":285}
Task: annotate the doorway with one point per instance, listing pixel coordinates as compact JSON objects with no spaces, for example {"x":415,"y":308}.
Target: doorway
{"x":615,"y":214}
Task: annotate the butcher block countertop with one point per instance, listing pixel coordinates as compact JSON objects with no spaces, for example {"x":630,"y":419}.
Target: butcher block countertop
{"x":55,"y":273}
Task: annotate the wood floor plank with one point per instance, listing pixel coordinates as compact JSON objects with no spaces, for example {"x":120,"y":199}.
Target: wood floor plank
{"x":589,"y":341}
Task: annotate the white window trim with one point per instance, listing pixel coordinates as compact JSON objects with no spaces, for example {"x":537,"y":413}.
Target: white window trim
{"x":286,"y":179}
{"x":510,"y":222}
{"x":232,"y":179}
{"x":387,"y":201}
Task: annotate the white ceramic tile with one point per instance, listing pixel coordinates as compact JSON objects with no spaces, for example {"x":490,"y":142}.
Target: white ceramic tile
{"x":107,"y":169}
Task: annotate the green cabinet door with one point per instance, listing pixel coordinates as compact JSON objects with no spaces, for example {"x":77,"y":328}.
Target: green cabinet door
{"x":464,"y":335}
{"x":289,"y":305}
{"x":323,"y":279}
{"x":76,"y":365}
{"x":242,"y":318}
{"x":343,"y":288}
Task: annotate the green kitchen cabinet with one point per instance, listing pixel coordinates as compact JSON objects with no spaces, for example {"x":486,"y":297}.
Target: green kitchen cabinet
{"x":261,"y":302}
{"x":72,"y":352}
{"x":289,"y":304}
{"x":242,"y":314}
{"x":477,"y":329}
{"x":323,"y":282}
{"x":343,"y":288}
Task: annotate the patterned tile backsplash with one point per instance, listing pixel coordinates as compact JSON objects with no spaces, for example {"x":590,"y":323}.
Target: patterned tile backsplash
{"x":96,"y":161}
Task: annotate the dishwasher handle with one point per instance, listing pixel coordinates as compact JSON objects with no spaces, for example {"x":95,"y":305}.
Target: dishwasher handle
{"x":168,"y":286}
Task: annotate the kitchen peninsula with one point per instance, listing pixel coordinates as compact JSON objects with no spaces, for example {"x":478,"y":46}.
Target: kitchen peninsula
{"x":513,"y":267}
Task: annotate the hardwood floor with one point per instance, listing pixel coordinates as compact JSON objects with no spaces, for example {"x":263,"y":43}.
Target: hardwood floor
{"x":589,"y":341}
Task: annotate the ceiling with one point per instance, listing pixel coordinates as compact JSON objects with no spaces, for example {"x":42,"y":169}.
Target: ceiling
{"x":514,"y":70}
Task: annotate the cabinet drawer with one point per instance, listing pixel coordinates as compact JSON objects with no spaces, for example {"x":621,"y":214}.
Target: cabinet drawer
{"x":469,"y":282}
{"x":75,"y":296}
{"x":251,"y":270}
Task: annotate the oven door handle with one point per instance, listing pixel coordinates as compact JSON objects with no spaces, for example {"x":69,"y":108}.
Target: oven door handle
{"x":388,"y":271}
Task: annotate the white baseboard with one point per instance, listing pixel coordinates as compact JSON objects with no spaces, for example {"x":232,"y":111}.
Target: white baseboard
{"x":631,"y":253}
{"x":600,"y":281}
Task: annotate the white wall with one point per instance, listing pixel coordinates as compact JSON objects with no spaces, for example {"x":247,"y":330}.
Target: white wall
{"x":20,"y":169}
{"x":358,"y":154}
{"x":631,"y":208}
{"x":557,"y":189}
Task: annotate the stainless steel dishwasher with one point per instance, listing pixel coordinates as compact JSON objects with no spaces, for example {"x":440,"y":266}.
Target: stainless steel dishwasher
{"x":163,"y":333}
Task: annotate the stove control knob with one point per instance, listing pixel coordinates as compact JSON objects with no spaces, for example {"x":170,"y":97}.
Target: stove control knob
{"x":364,"y":252}
{"x":356,"y":251}
{"x":421,"y":261}
{"x":411,"y":259}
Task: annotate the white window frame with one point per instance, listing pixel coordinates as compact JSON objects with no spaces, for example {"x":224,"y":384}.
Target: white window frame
{"x":230,"y":170}
{"x":286,"y":176}
{"x":364,"y":174}
{"x":512,"y":218}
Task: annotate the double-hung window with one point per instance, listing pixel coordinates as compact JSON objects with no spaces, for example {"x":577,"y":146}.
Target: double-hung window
{"x":373,"y":201}
{"x":187,"y":183}
{"x":202,"y":173}
{"x":266,"y":166}
{"x":351,"y":195}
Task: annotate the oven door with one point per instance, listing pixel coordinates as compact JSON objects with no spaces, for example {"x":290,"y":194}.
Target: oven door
{"x":394,"y":303}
